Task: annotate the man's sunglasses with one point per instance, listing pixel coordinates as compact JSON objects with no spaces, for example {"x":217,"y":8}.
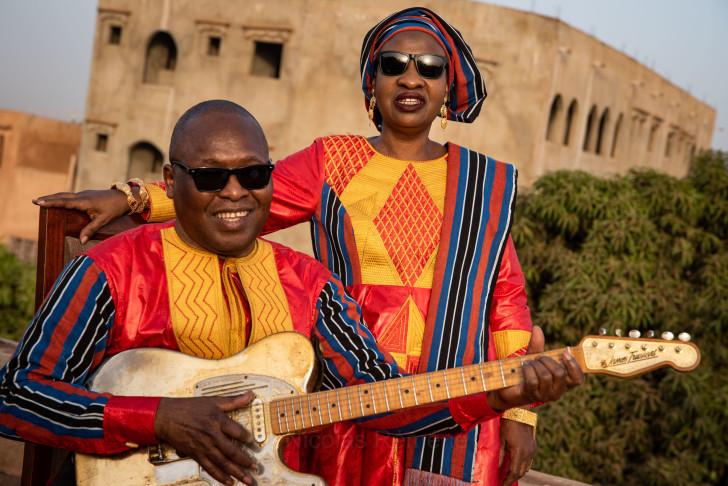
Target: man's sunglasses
{"x":213,"y":179}
{"x":430,"y":66}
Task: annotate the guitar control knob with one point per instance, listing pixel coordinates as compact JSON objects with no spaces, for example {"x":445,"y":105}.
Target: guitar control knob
{"x":650,"y":334}
{"x":667,"y":336}
{"x":634,"y":334}
{"x":618,"y":332}
{"x":602,"y":331}
{"x":684,"y":337}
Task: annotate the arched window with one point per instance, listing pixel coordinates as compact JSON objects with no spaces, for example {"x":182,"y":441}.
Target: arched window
{"x":603,"y":127}
{"x":668,"y":144}
{"x":588,"y":145}
{"x":615,"y":137}
{"x":555,"y":116}
{"x":161,"y":59}
{"x":570,"y":117}
{"x":653,"y":135}
{"x":145,"y":160}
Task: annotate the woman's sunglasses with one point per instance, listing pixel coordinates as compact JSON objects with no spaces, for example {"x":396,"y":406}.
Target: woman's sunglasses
{"x":430,"y":66}
{"x":213,"y":179}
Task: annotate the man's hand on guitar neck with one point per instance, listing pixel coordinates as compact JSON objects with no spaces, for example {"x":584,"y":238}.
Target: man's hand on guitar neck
{"x":200,"y":428}
{"x":545,"y":380}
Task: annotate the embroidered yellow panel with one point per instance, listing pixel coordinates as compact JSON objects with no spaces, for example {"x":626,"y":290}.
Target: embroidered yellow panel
{"x":402,"y":336}
{"x":509,"y":341}
{"x":266,"y":297}
{"x":205,"y":323}
{"x":396,"y":209}
{"x":199,"y":316}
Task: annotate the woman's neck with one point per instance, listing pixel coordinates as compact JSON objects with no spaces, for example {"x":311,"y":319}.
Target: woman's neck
{"x":407,"y":146}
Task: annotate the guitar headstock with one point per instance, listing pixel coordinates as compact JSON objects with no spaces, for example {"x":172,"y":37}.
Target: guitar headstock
{"x":627,"y":357}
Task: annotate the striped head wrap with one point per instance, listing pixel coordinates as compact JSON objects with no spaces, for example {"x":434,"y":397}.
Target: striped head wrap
{"x":467,"y":87}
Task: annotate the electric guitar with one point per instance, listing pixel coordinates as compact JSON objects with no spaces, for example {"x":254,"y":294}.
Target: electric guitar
{"x":280,"y":370}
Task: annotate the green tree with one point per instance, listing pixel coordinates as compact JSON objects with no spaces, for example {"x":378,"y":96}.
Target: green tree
{"x":642,"y":251}
{"x":17,"y":293}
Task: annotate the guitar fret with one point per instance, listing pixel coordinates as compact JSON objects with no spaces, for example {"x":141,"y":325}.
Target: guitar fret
{"x":278,"y":415}
{"x":306,"y":410}
{"x":285,"y":414}
{"x":503,"y":376}
{"x":328,"y":407}
{"x":447,"y":388}
{"x":399,"y":392}
{"x":465,"y":383}
{"x":482,"y":377}
{"x":293,"y":406}
{"x":374,"y":400}
{"x":414,"y":390}
{"x":429,"y":386}
{"x":361,"y":403}
{"x":386,"y":398}
{"x":321,"y":417}
{"x":338,"y":405}
{"x":348,"y":402}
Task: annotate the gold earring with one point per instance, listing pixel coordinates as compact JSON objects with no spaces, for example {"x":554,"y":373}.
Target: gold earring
{"x":372,"y":104}
{"x":443,"y":114}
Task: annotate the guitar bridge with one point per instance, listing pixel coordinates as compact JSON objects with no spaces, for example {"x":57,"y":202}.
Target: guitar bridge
{"x":156,"y":455}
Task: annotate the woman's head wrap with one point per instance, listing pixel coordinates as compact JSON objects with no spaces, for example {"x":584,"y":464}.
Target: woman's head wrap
{"x":466,"y":85}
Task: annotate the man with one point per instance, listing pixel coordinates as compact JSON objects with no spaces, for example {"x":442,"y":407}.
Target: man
{"x":193,"y":285}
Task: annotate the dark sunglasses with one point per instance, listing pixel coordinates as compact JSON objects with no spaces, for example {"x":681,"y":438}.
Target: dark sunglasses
{"x":430,"y":66}
{"x":213,"y":179}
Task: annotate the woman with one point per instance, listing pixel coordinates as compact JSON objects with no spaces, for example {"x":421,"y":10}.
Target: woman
{"x":419,"y":233}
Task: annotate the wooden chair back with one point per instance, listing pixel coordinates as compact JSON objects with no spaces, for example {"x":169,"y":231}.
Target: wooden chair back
{"x":58,"y":243}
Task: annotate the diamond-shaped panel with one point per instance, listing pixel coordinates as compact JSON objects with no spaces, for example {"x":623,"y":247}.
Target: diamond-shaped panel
{"x":409,"y":224}
{"x":345,"y":156}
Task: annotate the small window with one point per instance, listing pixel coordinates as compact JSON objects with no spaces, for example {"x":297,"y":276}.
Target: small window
{"x":213,"y":45}
{"x":102,"y":140}
{"x":115,"y":34}
{"x":267,"y":59}
{"x":161,"y":59}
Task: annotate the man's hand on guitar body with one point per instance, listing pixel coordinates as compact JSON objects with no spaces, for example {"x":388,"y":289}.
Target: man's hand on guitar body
{"x":200,"y":428}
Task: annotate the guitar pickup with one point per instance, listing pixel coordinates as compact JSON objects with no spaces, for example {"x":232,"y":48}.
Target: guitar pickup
{"x":257,"y":416}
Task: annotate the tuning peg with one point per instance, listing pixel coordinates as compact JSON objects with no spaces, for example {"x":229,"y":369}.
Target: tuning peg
{"x":634,"y":334}
{"x":684,"y":337}
{"x":602,"y":331}
{"x":618,"y":332}
{"x":667,"y":336}
{"x":650,"y":334}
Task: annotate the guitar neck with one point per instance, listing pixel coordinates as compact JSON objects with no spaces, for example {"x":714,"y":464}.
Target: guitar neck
{"x":303,"y":412}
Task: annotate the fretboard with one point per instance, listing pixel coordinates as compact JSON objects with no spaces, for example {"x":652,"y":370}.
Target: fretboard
{"x":303,"y":412}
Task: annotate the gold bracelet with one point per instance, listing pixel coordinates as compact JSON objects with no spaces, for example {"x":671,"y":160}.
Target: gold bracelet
{"x":521,"y":415}
{"x":143,"y":193}
{"x":133,"y":203}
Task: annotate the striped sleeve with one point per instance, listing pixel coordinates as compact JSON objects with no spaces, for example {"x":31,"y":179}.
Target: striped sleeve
{"x":42,"y":394}
{"x":351,"y":356}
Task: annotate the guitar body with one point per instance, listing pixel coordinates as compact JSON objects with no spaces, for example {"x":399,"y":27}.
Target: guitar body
{"x":279,"y":366}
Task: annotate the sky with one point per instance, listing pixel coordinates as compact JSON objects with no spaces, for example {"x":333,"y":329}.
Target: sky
{"x":45,"y":58}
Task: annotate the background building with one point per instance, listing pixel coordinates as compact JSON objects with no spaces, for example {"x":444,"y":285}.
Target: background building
{"x":558,"y":98}
{"x":37,"y":156}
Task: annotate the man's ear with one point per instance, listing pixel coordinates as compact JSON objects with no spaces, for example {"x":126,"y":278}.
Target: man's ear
{"x":168,"y":174}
